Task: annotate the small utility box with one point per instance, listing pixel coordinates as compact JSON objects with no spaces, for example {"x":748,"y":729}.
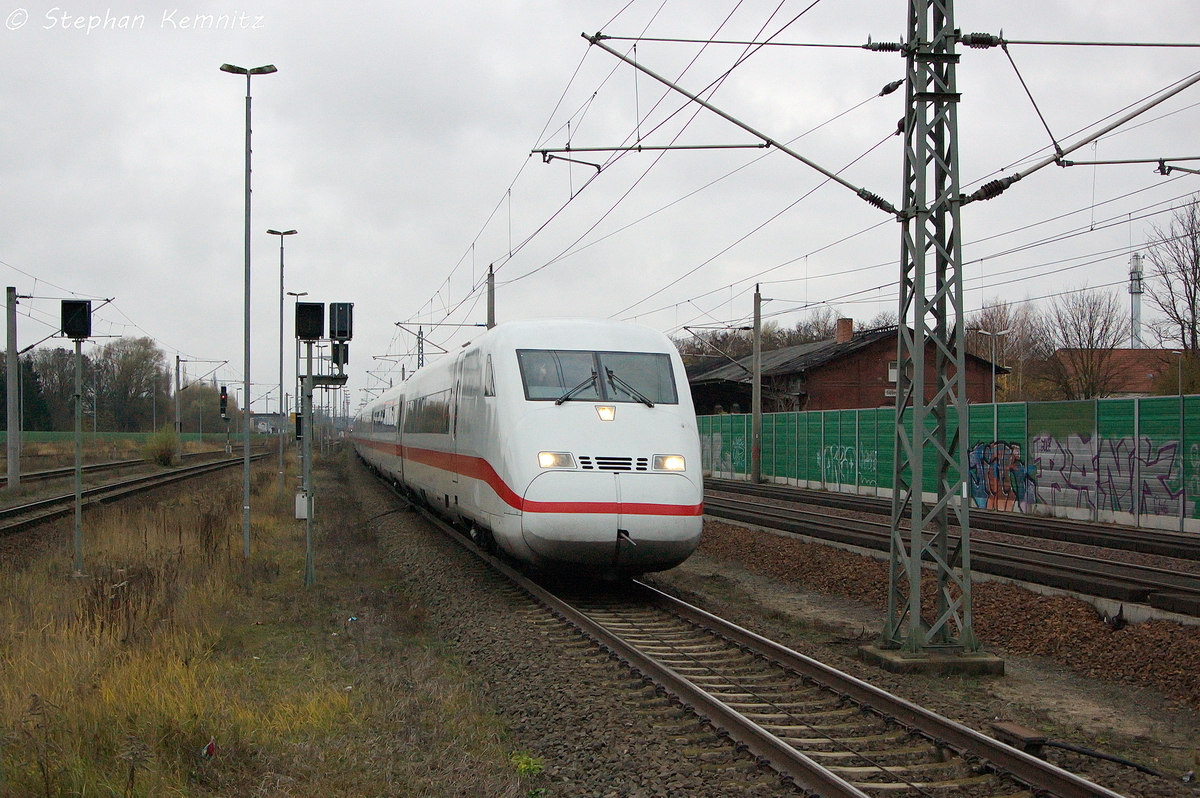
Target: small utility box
{"x":301,"y":506}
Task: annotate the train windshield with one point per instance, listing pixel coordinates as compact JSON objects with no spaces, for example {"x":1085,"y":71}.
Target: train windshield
{"x":550,"y":374}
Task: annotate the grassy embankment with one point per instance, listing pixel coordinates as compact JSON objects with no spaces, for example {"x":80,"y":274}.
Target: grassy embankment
{"x":116,"y":683}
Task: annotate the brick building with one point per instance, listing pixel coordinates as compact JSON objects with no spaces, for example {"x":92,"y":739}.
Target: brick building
{"x":854,"y":370}
{"x":1115,"y":372}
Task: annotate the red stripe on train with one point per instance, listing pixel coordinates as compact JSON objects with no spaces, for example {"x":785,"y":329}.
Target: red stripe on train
{"x":478,"y":468}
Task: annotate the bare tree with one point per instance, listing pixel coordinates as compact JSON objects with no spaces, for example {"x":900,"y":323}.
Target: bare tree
{"x":738,"y":342}
{"x":884,"y":318}
{"x":1019,"y":345}
{"x":1173,"y":282}
{"x":821,"y":325}
{"x":1083,"y":328}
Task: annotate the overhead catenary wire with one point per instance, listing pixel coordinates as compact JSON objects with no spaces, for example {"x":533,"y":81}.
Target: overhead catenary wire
{"x":540,"y":138}
{"x":1056,"y":238}
{"x":566,"y":254}
{"x":1105,"y":224}
{"x":751,"y":232}
{"x":843,"y":46}
{"x":711,"y":87}
{"x":513,"y":251}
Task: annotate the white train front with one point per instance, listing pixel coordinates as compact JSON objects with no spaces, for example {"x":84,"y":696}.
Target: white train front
{"x":572,"y":444}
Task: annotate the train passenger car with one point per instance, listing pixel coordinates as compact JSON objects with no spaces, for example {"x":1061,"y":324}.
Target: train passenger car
{"x":572,"y":444}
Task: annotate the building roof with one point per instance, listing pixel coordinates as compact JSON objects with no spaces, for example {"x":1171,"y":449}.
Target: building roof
{"x":788,"y":359}
{"x":795,"y":359}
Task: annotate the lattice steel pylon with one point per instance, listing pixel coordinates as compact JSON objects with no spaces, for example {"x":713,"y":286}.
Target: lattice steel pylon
{"x":933,"y":427}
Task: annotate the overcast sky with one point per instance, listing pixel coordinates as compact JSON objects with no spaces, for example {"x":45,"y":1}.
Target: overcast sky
{"x":396,"y":139}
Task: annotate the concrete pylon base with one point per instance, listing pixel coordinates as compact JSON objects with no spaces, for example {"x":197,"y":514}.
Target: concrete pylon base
{"x":897,"y":661}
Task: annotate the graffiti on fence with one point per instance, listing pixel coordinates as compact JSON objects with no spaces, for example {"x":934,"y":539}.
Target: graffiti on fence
{"x":1157,"y":475}
{"x":837,"y":465}
{"x":1193,"y":481}
{"x":1112,"y":474}
{"x":738,"y":455}
{"x":1000,"y":479}
{"x":1080,"y":456}
{"x":1116,"y":467}
{"x":868,"y":467}
{"x":713,"y":454}
{"x":1066,"y":470}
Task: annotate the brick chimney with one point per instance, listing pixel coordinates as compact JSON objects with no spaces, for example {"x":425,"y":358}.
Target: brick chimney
{"x":845,"y":330}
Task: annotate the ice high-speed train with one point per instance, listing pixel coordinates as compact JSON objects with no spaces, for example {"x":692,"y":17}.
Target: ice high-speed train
{"x":570,"y":444}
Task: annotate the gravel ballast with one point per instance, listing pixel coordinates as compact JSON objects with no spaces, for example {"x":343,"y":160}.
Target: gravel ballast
{"x":600,"y":732}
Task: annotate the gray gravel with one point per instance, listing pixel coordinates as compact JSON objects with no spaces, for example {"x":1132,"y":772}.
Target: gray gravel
{"x":602,"y":732}
{"x":599,"y":729}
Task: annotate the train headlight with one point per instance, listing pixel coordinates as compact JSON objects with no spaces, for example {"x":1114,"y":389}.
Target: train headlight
{"x":606,"y":412}
{"x":555,"y":460}
{"x":668,"y":462}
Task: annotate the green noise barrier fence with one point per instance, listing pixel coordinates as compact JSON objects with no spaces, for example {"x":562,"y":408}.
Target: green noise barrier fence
{"x":1132,"y":461}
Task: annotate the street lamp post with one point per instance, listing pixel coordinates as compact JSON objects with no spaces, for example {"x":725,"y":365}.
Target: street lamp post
{"x":237,"y":70}
{"x":995,"y":410}
{"x":281,"y":235}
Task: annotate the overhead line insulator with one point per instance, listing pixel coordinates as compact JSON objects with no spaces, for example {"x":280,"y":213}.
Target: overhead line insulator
{"x":992,"y":189}
{"x":883,"y":47}
{"x":878,"y":201}
{"x":981,"y":41}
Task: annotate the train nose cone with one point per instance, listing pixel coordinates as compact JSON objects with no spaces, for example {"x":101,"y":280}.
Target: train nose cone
{"x":572,"y":517}
{"x":625,"y":522}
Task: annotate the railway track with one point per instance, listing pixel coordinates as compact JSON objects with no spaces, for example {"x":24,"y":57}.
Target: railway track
{"x":20,"y":517}
{"x":1166,"y":589}
{"x":1111,"y":536}
{"x":94,"y":468}
{"x":826,"y":732}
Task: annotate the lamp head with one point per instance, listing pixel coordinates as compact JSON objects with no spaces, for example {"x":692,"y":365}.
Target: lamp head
{"x":259,"y":70}
{"x":282,"y":233}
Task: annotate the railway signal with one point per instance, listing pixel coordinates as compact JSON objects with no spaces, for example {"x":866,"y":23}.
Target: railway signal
{"x":77,"y":325}
{"x":310,"y":328}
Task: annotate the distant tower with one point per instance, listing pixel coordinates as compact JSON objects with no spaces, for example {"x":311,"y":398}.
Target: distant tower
{"x":1135,"y":301}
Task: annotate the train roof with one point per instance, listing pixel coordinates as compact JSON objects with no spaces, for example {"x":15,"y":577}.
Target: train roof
{"x":555,"y":333}
{"x":571,"y":333}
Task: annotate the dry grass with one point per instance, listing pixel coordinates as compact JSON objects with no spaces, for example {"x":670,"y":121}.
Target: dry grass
{"x":115,"y":683}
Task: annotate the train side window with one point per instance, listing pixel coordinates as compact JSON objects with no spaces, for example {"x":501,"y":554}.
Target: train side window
{"x":489,"y":379}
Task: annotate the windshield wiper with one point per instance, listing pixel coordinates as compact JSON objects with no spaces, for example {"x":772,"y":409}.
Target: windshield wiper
{"x":590,"y":381}
{"x":616,"y":381}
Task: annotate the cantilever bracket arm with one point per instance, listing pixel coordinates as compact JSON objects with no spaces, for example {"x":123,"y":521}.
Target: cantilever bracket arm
{"x":426,"y":340}
{"x":994,"y":188}
{"x":871,"y":198}
{"x":548,"y":156}
{"x":717,"y":349}
{"x":1165,"y":168}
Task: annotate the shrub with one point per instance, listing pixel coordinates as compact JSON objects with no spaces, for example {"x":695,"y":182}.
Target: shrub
{"x":162,"y":446}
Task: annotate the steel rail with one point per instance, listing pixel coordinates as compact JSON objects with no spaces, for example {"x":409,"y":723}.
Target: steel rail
{"x":1162,"y":542}
{"x":807,"y":774}
{"x":768,"y":748}
{"x":1038,"y":774}
{"x":61,"y":505}
{"x":1089,"y":575}
{"x":66,"y":471}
